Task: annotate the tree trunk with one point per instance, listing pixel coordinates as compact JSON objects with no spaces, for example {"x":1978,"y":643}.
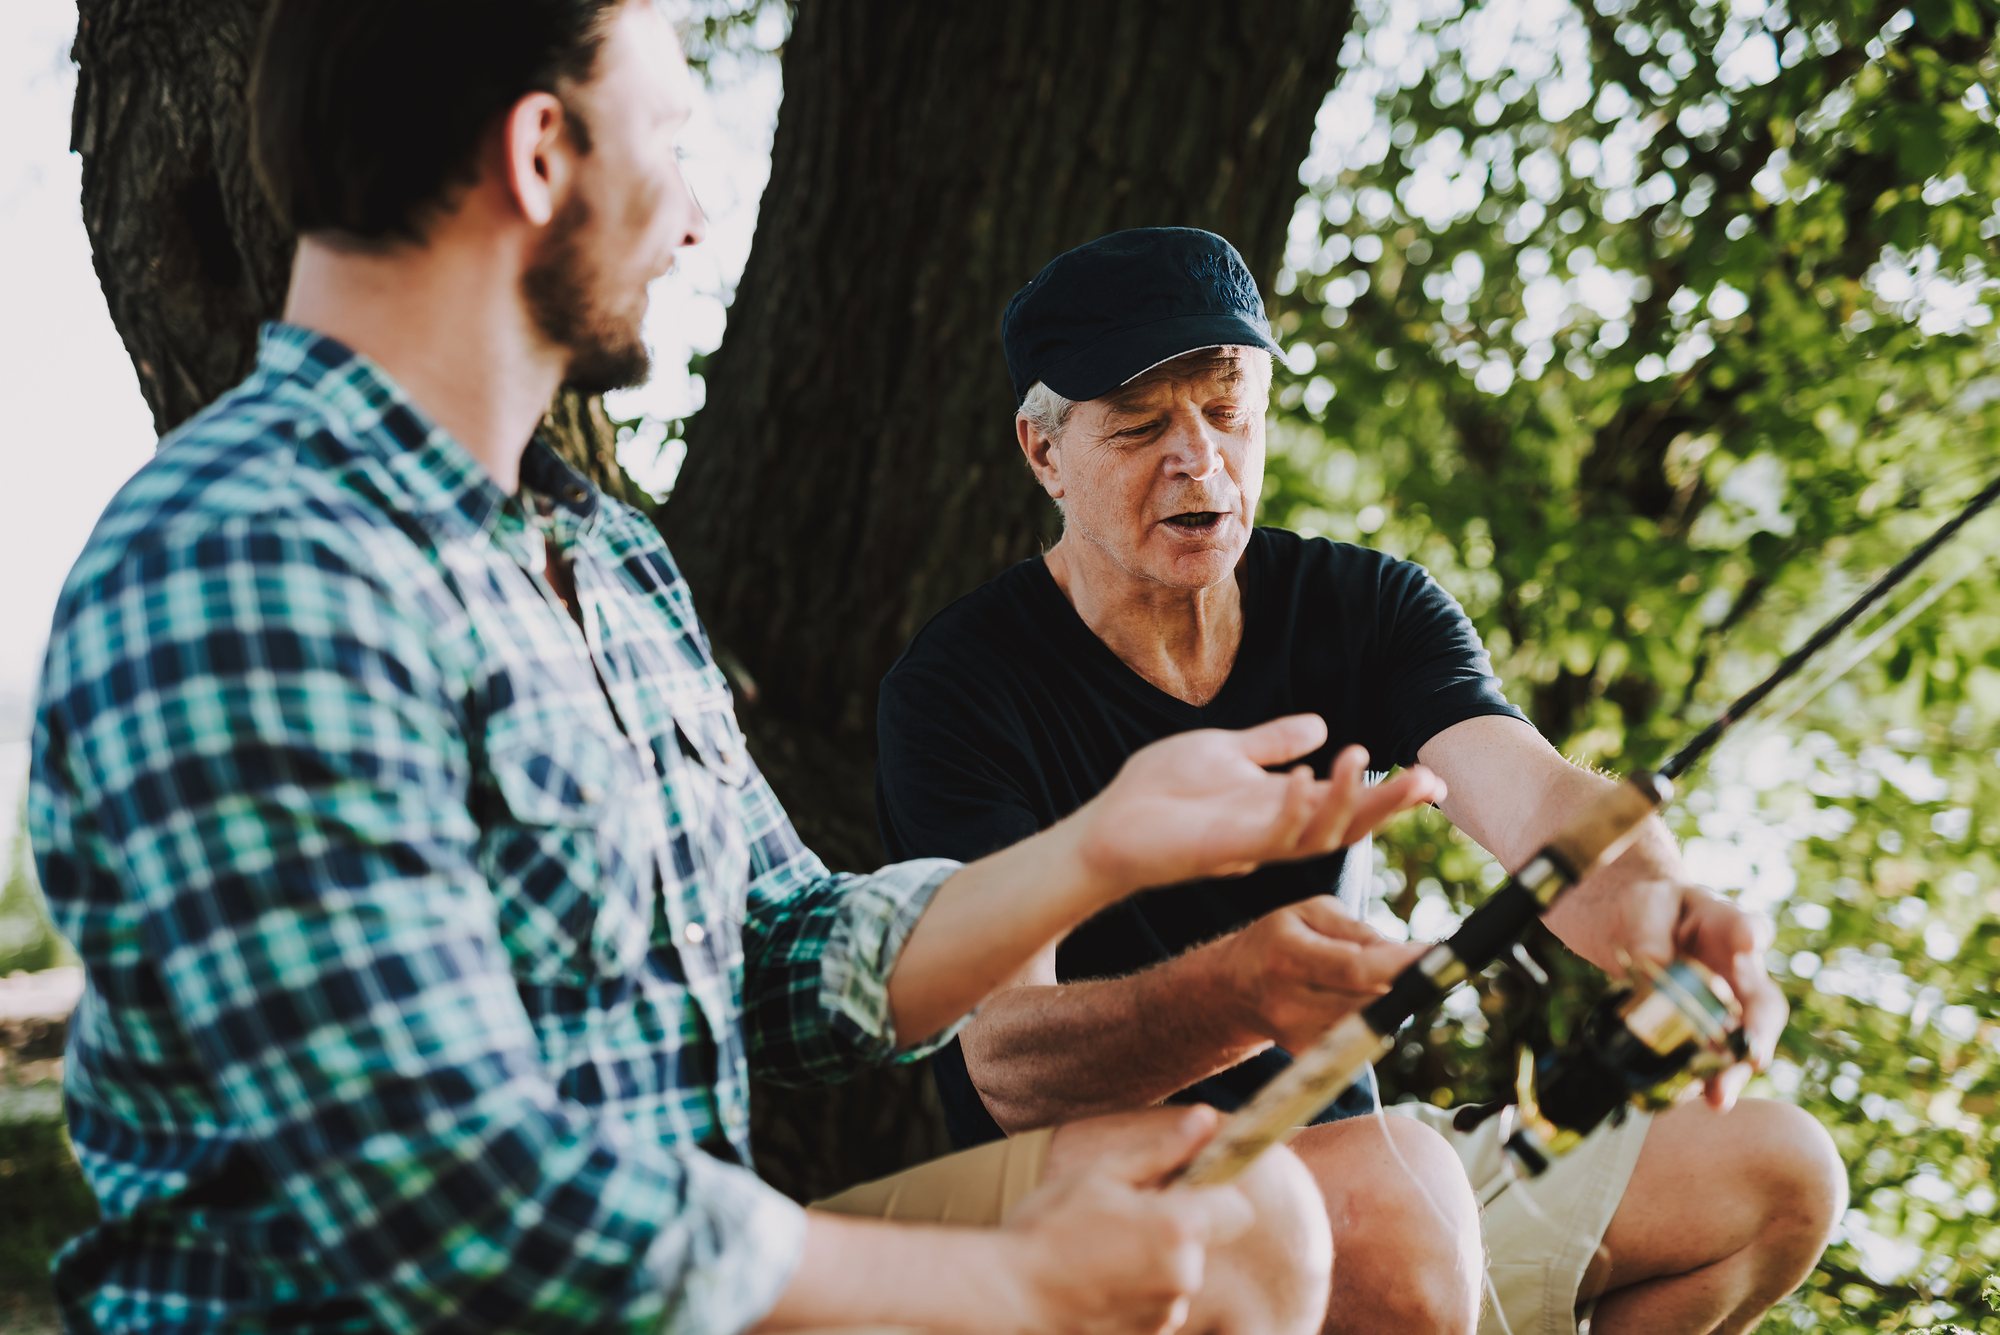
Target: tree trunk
{"x":189,"y":252}
{"x":855,"y":468}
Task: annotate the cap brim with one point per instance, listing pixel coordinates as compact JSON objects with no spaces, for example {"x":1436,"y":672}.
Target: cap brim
{"x":1117,"y":358}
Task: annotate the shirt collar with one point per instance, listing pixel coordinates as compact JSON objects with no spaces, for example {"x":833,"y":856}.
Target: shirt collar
{"x":440,"y":481}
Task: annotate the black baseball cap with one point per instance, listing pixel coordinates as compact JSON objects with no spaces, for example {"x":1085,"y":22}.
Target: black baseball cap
{"x":1099,"y":315}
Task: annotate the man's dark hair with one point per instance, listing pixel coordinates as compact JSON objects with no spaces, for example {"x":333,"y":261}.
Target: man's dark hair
{"x":365,"y":114}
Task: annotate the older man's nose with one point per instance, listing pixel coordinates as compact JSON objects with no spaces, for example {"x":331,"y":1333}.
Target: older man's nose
{"x":1196,"y":453}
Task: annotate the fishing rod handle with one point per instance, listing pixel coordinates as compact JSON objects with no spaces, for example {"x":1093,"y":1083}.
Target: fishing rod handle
{"x":1610,"y":824}
{"x":1292,"y":1098}
{"x":1605,"y":829}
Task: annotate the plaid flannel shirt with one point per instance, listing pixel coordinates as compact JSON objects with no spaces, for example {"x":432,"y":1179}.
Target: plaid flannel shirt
{"x":431,"y":937}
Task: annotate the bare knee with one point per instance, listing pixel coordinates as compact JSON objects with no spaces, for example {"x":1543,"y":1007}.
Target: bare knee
{"x":1407,"y":1249}
{"x":1799,"y":1175}
{"x":1272,"y":1280}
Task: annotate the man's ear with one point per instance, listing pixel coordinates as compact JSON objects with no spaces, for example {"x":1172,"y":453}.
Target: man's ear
{"x":1041,"y":456}
{"x":539,"y":158}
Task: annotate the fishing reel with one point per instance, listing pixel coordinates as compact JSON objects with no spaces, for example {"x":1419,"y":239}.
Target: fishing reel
{"x":1676,"y":1023}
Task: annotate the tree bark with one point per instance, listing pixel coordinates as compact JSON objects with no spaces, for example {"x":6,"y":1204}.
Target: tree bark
{"x":855,"y":468}
{"x":190,"y":253}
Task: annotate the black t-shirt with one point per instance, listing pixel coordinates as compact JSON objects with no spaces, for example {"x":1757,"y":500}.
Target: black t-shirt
{"x":1006,"y":714}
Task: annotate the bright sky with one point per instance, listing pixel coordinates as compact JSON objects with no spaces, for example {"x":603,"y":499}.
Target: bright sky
{"x":78,"y":426}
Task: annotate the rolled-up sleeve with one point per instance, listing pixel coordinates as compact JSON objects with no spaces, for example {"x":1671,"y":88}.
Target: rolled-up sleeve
{"x":818,"y":952}
{"x":274,"y":768}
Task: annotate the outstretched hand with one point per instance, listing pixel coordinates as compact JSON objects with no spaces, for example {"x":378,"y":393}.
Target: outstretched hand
{"x":1206,"y":803}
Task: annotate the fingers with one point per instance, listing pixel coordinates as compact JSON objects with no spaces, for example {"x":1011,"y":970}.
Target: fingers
{"x":1348,"y":810}
{"x":1328,"y":917}
{"x":1727,"y":940}
{"x":1723,"y":1090}
{"x":1347,"y":968}
{"x":1339,"y":797}
{"x":1162,"y":1146}
{"x":1212,"y":1216}
{"x":1297,"y":813}
{"x":1282,"y":739}
{"x":1412,"y":788}
{"x":1731,"y":942}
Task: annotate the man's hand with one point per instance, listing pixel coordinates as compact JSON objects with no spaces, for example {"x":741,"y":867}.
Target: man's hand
{"x":1512,"y":792}
{"x":1664,"y":920}
{"x":1103,"y":1251}
{"x":1194,"y":805}
{"x":1204,"y":804}
{"x":1303,"y":969}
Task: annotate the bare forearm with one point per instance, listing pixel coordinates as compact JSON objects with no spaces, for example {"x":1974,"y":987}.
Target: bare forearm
{"x":1188,"y":807}
{"x":987,"y":922}
{"x":859,"y":1272}
{"x":1041,"y":1055}
{"x":1512,"y":792}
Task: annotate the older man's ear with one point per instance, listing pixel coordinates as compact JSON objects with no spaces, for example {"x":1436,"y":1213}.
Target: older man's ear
{"x":1040,"y":451}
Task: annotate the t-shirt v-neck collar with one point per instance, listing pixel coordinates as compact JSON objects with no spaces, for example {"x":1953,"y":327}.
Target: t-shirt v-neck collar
{"x":1086,"y":640}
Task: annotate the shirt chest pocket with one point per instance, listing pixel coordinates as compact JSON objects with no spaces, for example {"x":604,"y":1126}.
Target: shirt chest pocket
{"x":705,"y":726}
{"x":572,"y":858}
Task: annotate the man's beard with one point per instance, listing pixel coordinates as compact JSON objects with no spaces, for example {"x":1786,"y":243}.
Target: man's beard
{"x":605,"y":352}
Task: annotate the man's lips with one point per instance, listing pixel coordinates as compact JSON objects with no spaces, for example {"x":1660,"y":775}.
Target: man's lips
{"x":1196,"y":520}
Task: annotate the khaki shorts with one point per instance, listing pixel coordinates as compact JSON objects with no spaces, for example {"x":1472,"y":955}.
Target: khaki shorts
{"x":1540,"y":1233}
{"x":978,"y":1188}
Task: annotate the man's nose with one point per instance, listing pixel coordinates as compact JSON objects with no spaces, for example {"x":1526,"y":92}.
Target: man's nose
{"x":697,"y":228}
{"x":697,"y":224}
{"x":1195,"y":452}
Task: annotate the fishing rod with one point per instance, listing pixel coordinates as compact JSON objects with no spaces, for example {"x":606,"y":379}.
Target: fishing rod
{"x":1646,"y":1036}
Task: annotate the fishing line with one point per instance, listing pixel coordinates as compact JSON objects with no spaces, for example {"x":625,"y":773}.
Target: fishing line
{"x":1485,"y":1270}
{"x":1684,"y":759}
{"x":1812,"y":690}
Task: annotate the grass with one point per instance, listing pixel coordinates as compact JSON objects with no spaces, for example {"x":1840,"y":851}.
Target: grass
{"x":37,"y":1171}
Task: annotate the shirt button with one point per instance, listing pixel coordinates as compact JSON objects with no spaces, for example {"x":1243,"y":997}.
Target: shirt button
{"x":695,"y":933}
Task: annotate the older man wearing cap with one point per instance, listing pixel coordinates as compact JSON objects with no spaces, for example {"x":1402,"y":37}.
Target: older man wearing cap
{"x":1141,"y":364}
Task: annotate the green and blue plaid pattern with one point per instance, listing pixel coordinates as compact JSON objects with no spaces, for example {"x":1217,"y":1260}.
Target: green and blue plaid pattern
{"x":431,"y":935}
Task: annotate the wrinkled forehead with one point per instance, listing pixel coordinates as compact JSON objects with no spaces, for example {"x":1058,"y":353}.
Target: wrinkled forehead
{"x":1203,"y":372}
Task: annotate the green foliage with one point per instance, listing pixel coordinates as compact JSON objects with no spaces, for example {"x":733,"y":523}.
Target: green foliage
{"x":1655,"y":330}
{"x":36,"y":1166}
{"x":27,"y":940}
{"x":733,"y":29}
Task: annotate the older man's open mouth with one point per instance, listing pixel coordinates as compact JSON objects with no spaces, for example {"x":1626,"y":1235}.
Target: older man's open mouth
{"x":1197,"y":521}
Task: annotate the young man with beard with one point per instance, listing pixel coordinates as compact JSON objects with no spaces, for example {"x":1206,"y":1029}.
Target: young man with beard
{"x":434,"y":917}
{"x":1141,"y":363}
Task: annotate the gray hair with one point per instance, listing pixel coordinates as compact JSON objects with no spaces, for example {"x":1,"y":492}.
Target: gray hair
{"x":1049,"y":411}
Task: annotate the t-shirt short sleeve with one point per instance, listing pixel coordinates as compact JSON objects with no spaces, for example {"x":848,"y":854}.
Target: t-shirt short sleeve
{"x":1434,"y":672}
